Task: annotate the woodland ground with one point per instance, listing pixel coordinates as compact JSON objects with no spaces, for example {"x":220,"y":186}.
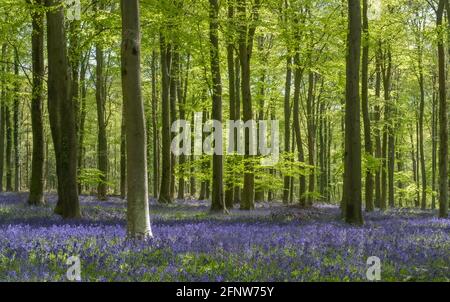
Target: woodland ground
{"x":272,"y":243}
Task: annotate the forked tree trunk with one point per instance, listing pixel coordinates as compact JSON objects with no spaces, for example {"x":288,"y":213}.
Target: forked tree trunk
{"x":61,"y":112}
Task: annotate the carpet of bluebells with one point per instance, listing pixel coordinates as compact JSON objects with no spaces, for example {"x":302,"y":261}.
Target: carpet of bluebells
{"x":272,"y":243}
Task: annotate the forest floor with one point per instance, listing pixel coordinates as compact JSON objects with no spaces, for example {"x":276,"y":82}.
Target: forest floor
{"x":271,"y":243}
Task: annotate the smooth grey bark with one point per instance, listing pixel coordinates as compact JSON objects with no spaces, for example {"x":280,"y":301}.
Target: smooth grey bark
{"x":138,"y":216}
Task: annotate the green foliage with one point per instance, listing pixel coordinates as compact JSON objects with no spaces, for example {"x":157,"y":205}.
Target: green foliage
{"x":91,"y":177}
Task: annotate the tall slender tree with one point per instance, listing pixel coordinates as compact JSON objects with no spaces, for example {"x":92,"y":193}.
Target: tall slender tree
{"x":16,"y":125}
{"x":365,"y":106}
{"x":3,"y":114}
{"x":155,"y":139}
{"x":100,"y":97}
{"x":229,"y":192}
{"x":443,"y":116}
{"x":352,"y":166}
{"x":138,"y":216}
{"x":217,"y":200}
{"x":247,"y":29}
{"x":36,"y":196}
{"x":164,"y":192}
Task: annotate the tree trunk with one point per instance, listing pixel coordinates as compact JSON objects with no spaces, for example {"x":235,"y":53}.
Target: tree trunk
{"x":434,"y":127}
{"x":352,"y":167}
{"x":36,"y":196}
{"x":192,"y":180}
{"x":217,"y":200}
{"x":421,"y":136}
{"x":164,"y":193}
{"x":138,"y":216}
{"x":182,"y":95}
{"x":9,"y":142}
{"x":16,"y":124}
{"x":378,"y":146}
{"x":82,"y":116}
{"x":387,"y":171}
{"x":123,"y":156}
{"x":443,"y":119}
{"x":298,"y":75}
{"x":229,"y":192}
{"x":246,"y":37}
{"x":61,"y":113}
{"x":311,"y":136}
{"x":365,"y":107}
{"x":287,"y":121}
{"x":155,"y":143}
{"x":3,"y":116}
{"x":237,"y":112}
{"x":102,"y":144}
{"x":174,"y":83}
{"x":100,"y":97}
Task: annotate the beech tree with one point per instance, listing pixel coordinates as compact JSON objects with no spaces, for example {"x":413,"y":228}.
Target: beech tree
{"x":138,"y":216}
{"x":443,"y":115}
{"x":218,"y":201}
{"x":61,"y":112}
{"x":352,"y":166}
{"x":36,"y":196}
